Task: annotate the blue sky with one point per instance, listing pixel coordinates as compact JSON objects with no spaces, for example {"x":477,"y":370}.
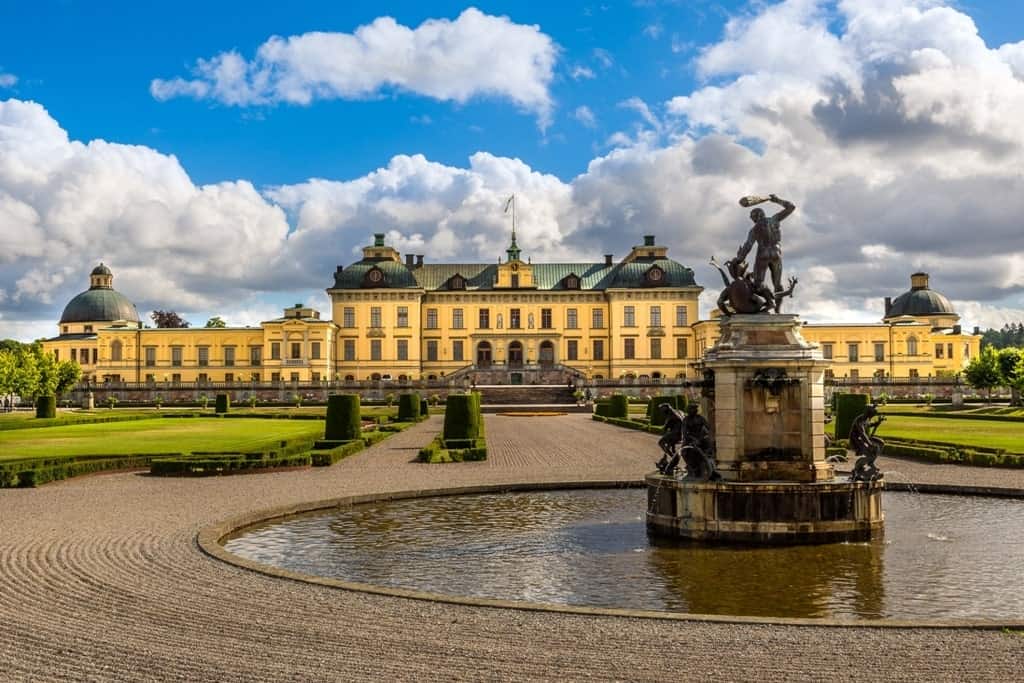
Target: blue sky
{"x":610,"y":138}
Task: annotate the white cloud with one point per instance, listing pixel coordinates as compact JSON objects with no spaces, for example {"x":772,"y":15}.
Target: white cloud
{"x":474,"y":55}
{"x":584,"y":115}
{"x":7,"y":80}
{"x":654,"y":31}
{"x":581,"y":72}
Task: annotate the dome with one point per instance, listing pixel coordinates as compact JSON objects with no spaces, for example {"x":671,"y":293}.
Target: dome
{"x":919,"y":301}
{"x":98,"y":305}
{"x":101,"y":270}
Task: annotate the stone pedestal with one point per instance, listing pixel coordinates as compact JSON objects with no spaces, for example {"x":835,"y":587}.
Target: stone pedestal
{"x":767,"y":410}
{"x":88,"y":402}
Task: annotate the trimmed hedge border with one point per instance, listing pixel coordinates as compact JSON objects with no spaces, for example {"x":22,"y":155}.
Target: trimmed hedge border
{"x":628,"y":424}
{"x":953,"y":454}
{"x":955,"y":416}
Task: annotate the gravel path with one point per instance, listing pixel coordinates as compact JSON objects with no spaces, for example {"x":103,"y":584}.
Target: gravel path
{"x":101,"y":579}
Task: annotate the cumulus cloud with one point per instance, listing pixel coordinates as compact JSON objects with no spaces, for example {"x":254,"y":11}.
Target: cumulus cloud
{"x":474,"y":55}
{"x":938,"y":189}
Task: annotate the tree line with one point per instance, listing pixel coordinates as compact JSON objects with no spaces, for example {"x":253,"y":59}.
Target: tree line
{"x":1012,"y":334}
{"x":29,"y":372}
{"x":1003,"y":367}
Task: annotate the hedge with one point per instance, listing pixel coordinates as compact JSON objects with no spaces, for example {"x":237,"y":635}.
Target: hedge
{"x":424,"y":407}
{"x":223,"y":403}
{"x":343,"y":420}
{"x":65,"y":420}
{"x":619,"y":406}
{"x":409,"y":407}
{"x":225,"y":464}
{"x":654,"y":415}
{"x":629,"y":424}
{"x":462,"y":416}
{"x":37,"y":471}
{"x":847,"y":408}
{"x":435,"y":452}
{"x":329,"y":456}
{"x":46,"y":407}
{"x":933,"y":452}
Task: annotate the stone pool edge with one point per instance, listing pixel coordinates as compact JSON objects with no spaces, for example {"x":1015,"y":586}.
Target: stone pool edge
{"x":209,"y":541}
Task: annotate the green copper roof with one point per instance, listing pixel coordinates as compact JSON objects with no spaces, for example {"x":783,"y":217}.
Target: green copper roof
{"x":98,"y":305}
{"x":546,"y":276}
{"x":920,"y":302}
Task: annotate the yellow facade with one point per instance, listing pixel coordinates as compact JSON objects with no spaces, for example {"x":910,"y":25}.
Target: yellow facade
{"x":392,"y":320}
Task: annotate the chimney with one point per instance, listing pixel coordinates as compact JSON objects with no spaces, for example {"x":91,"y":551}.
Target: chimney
{"x":608,"y":259}
{"x":409,"y":260}
{"x":648,"y":240}
{"x":957,"y":329}
{"x":339,"y":269}
{"x":378,"y":239}
{"x":888,"y":304}
{"x":419,"y":260}
{"x":977,"y":330}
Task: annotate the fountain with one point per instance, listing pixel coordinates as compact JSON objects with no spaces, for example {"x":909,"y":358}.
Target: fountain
{"x":764,"y":396}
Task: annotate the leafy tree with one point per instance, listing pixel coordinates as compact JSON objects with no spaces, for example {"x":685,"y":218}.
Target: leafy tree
{"x":216,"y":321}
{"x":1009,"y":360}
{"x":11,"y":345}
{"x":168,"y":319}
{"x":982,"y":372}
{"x":68,"y":374}
{"x":1012,"y":334}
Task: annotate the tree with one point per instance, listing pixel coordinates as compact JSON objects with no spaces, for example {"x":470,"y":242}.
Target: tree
{"x":68,"y":374}
{"x":1012,"y":334}
{"x":982,"y":372}
{"x":168,"y":319}
{"x":1011,"y":368}
{"x":11,"y":345}
{"x":216,"y":321}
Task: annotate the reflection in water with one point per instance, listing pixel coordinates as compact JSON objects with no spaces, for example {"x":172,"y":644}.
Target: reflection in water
{"x":942,"y":556}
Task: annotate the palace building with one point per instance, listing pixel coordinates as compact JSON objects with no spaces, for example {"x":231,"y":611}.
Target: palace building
{"x":507,"y":322}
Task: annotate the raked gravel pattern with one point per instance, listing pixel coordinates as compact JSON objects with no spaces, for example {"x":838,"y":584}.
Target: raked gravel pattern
{"x":101,"y":579}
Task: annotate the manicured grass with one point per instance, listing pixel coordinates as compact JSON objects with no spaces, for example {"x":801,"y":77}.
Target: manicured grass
{"x":153,"y":436}
{"x":990,"y":434}
{"x":946,"y":409}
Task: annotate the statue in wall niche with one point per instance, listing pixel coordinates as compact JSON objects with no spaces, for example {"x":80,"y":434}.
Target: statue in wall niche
{"x":529,"y":321}
{"x":767,"y":235}
{"x":499,"y":321}
{"x":866,"y":445}
{"x":688,"y":437}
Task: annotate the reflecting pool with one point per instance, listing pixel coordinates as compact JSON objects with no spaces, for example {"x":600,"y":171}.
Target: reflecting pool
{"x":942,"y":557}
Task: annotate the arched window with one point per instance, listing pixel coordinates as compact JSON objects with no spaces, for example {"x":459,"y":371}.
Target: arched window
{"x":483,"y":354}
{"x":912,"y":346}
{"x":116,"y":350}
{"x":350,"y":378}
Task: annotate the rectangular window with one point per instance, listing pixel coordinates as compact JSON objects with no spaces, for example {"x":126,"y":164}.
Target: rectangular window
{"x":457,"y":350}
{"x":680,"y":316}
{"x":826,"y":351}
{"x":87,"y":328}
{"x":275,"y":377}
{"x":485,"y":318}
{"x":255,"y":355}
{"x":316,"y":378}
{"x":176,"y":356}
{"x":150,"y":379}
{"x":229,"y":356}
{"x":403,"y":316}
{"x":74,"y":355}
{"x":296,"y":350}
{"x":314,"y":350}
{"x":176,"y":378}
{"x":939,"y":351}
{"x":255,"y":377}
{"x":457,"y":321}
{"x":56,"y":355}
{"x":855,"y":374}
{"x":628,"y":316}
{"x":629,"y":348}
{"x":294,"y":378}
{"x":204,"y":356}
{"x":572,"y":350}
{"x":150,"y":356}
{"x":375,"y":316}
{"x":95,"y":352}
{"x":375,"y":349}
{"x":597,"y":318}
{"x":431,"y":318}
{"x":402,"y":349}
{"x":515,"y":282}
{"x":571,"y":320}
{"x":853,"y":352}
{"x":913,"y":373}
{"x":348,"y":318}
{"x":229,"y":377}
{"x":949,"y":351}
{"x":655,"y":316}
{"x":513,"y":319}
{"x":349,"y":352}
{"x":599,"y":349}
{"x":203,"y":378}
{"x":431,"y":349}
{"x":879,"y":351}
{"x":275,"y":350}
{"x":681,"y":347}
{"x":829,"y":374}
{"x":655,"y":348}
{"x":545,"y":318}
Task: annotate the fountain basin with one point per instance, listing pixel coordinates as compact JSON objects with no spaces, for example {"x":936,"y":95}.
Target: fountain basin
{"x":765,"y":512}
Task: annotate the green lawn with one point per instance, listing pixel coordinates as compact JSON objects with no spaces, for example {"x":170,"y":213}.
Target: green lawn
{"x":991,"y":434}
{"x":152,"y":436}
